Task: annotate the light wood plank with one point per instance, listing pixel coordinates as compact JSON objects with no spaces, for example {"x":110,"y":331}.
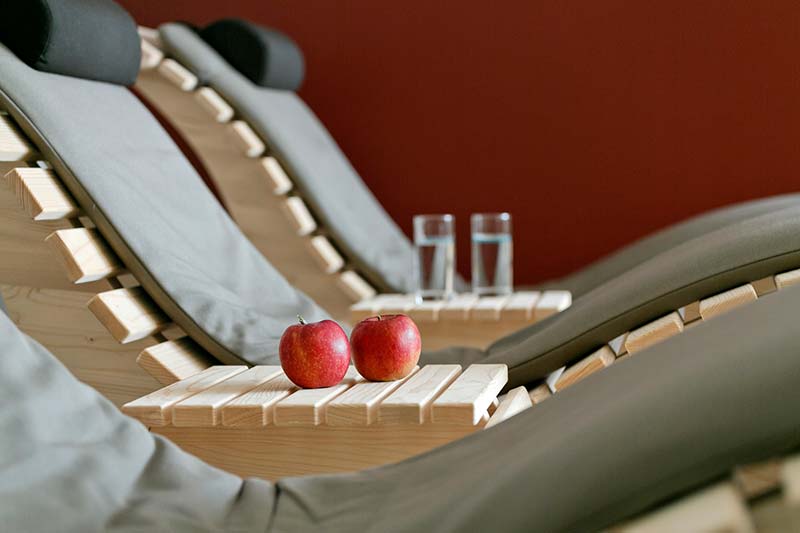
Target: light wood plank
{"x":128,"y":314}
{"x":358,"y":406}
{"x":520,"y":306}
{"x":151,"y":55}
{"x":361,"y":310}
{"x":279,"y":181}
{"x":41,"y":194}
{"x":690,"y":313}
{"x":654,"y":332}
{"x":426,"y":311}
{"x":395,"y":304}
{"x":204,"y":408}
{"x":787,"y":279}
{"x":411,"y":403}
{"x":540,"y":393}
{"x":214,"y":104}
{"x":326,"y":256}
{"x":716,"y":509}
{"x":516,"y":401}
{"x":790,"y":479}
{"x":756,"y":479}
{"x":155,"y":409}
{"x":602,"y":358}
{"x":468,"y":398}
{"x":85,"y":255}
{"x":552,"y":302}
{"x":726,"y":301}
{"x":307,"y":406}
{"x":172,"y":361}
{"x":246,"y":139}
{"x":151,"y":35}
{"x":299,"y":215}
{"x":488,"y":308}
{"x":255,"y":408}
{"x":458,"y":307}
{"x":13,"y":145}
{"x":354,"y":286}
{"x":764,"y":286}
{"x":178,"y":75}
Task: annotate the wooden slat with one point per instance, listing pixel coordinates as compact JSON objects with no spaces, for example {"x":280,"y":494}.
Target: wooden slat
{"x":617,"y":345}
{"x":13,"y":145}
{"x":690,"y":313}
{"x":520,"y":306}
{"x":587,"y":366}
{"x":155,"y":409}
{"x":757,"y":479}
{"x":355,"y":286}
{"x":41,"y":194}
{"x":85,"y":255}
{"x":540,"y":393}
{"x":128,"y":314}
{"x":255,"y":408}
{"x":151,"y":55}
{"x":299,"y":215}
{"x":395,"y":304}
{"x":724,"y":302}
{"x":787,"y":279}
{"x":458,"y":307}
{"x":280,"y":182}
{"x":204,"y":408}
{"x":426,"y":311}
{"x":178,"y":75}
{"x":214,"y":104}
{"x":411,"y":403}
{"x":488,"y":308}
{"x":552,"y":302}
{"x":717,"y":509}
{"x":516,"y":401}
{"x":246,"y":139}
{"x":764,"y":286}
{"x":358,"y":406}
{"x":172,"y":361}
{"x":151,"y":35}
{"x":306,"y":407}
{"x":361,"y":310}
{"x":654,"y":332}
{"x":467,"y":399}
{"x":790,"y":479}
{"x":325,"y":254}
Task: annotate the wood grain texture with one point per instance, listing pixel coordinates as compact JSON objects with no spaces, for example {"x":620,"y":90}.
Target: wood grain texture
{"x":249,"y":143}
{"x":155,"y":409}
{"x":602,"y":358}
{"x":468,"y":398}
{"x":540,"y":393}
{"x":151,"y":55}
{"x":326,"y":256}
{"x":255,"y":407}
{"x":128,"y":314}
{"x":516,"y":401}
{"x":174,"y":360}
{"x":787,"y":279}
{"x":358,"y":405}
{"x":354,"y":286}
{"x":726,"y":301}
{"x":654,"y":332}
{"x":690,"y":313}
{"x":178,"y":75}
{"x":488,"y":308}
{"x":306,"y":407}
{"x":552,"y":302}
{"x":41,"y":194}
{"x":204,"y":408}
{"x":764,"y":286}
{"x":411,"y":403}
{"x":299,"y":216}
{"x":520,"y":306}
{"x":617,"y":344}
{"x":13,"y":144}
{"x":216,"y":106}
{"x":85,"y":255}
{"x":278,"y":180}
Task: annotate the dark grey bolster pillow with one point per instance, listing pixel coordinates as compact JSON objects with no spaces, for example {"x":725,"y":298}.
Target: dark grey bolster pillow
{"x":266,"y":57}
{"x":92,"y":39}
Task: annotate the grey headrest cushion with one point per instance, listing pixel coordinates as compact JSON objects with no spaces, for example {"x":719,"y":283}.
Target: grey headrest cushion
{"x":92,"y":39}
{"x":265,"y":56}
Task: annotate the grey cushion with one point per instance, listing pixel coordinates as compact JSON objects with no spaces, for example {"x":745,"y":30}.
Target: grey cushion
{"x":336,"y":194}
{"x":154,"y":209}
{"x":672,"y":418}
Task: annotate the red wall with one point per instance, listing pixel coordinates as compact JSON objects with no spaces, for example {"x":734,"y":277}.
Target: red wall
{"x":592,"y":122}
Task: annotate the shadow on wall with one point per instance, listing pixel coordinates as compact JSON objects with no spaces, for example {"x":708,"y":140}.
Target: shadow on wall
{"x":593,"y":123}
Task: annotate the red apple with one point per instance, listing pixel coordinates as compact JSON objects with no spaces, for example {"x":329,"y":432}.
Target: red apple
{"x":314,"y":355}
{"x":385,"y":347}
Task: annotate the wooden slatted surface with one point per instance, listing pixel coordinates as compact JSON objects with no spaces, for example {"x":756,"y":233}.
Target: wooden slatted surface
{"x":411,"y":403}
{"x":281,"y":184}
{"x":552,"y":302}
{"x":172,"y":361}
{"x":520,"y":306}
{"x":654,"y":332}
{"x":325,"y":254}
{"x":725,"y":301}
{"x":255,"y":407}
{"x":787,"y":279}
{"x":247,"y":140}
{"x":85,"y":255}
{"x":359,"y":404}
{"x":178,"y":75}
{"x":307,"y":406}
{"x":516,"y":401}
{"x":299,"y":215}
{"x":356,"y":287}
{"x":488,"y":308}
{"x":599,"y":360}
{"x":13,"y":145}
{"x":468,"y":398}
{"x":41,"y":194}
{"x":214,"y":104}
{"x":151,"y":56}
{"x":128,"y":314}
{"x":459,"y":307}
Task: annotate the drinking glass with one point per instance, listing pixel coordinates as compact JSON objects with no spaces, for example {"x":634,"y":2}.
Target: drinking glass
{"x":434,"y":257}
{"x":492,"y":254}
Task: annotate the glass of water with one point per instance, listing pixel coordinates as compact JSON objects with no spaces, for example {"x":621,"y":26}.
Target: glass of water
{"x":492,"y":254}
{"x":434,"y":260}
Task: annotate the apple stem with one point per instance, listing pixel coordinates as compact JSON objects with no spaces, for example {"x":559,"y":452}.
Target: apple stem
{"x":380,"y":317}
{"x":301,"y":319}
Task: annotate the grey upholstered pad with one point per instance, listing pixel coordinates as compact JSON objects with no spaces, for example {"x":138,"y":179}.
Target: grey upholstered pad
{"x":703,"y":266}
{"x":672,"y":418}
{"x":135,"y":177}
{"x":335,"y":192}
{"x":615,"y":264}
